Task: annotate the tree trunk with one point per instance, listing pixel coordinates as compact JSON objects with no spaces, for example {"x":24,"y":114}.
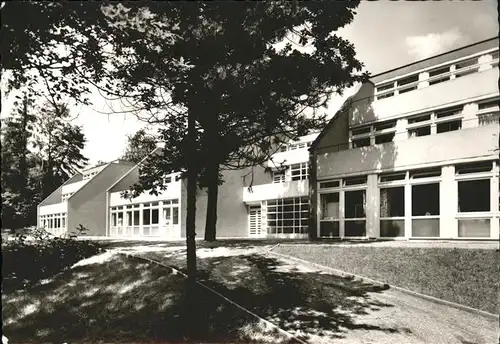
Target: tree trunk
{"x":213,"y":190}
{"x":192,"y":175}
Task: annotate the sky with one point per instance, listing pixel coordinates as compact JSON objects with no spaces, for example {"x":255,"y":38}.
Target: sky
{"x":386,"y":34}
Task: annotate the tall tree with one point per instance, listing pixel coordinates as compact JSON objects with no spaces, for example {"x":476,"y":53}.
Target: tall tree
{"x":17,"y":161}
{"x":239,"y":86}
{"x":205,"y":70}
{"x":59,"y":144}
{"x":139,"y":146}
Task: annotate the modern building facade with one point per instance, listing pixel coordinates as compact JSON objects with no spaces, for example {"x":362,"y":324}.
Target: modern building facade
{"x":414,"y":153}
{"x":252,"y":202}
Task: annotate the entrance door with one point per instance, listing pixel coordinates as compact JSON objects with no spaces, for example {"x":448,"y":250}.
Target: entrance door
{"x":255,"y":223}
{"x":170,"y":215}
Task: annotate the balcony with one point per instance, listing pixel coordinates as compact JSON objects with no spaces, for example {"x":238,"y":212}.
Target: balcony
{"x":53,"y":208}
{"x":262,"y":192}
{"x":424,"y":98}
{"x":457,"y":145}
{"x":289,"y":157}
{"x":173,"y":191}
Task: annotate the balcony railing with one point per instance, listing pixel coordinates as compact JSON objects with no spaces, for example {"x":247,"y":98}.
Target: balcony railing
{"x":426,"y":78}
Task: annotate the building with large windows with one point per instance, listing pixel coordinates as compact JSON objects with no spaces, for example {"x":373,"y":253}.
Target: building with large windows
{"x":252,"y":203}
{"x":414,"y":153}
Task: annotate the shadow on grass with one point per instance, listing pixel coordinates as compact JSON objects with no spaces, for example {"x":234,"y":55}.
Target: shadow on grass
{"x":122,"y":300}
{"x":307,"y":303}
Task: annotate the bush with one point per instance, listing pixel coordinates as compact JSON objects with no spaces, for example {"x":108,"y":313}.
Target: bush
{"x":26,"y":262}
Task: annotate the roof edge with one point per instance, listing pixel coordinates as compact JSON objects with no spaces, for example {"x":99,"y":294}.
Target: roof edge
{"x":432,"y":57}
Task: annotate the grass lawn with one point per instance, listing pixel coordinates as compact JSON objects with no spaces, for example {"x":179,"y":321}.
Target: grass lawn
{"x":112,"y":298}
{"x":317,"y":307}
{"x":465,"y":276}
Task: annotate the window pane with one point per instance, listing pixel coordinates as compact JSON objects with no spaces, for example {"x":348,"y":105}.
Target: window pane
{"x":175,"y":217}
{"x":474,"y":228}
{"x":448,"y":126}
{"x":326,"y":185}
{"x":483,"y":166}
{"x":329,"y":229}
{"x":361,"y":130}
{"x":408,"y":80}
{"x":354,"y":204}
{"x":330,"y":205}
{"x":392,"y":202}
{"x":425,"y":227}
{"x":361,"y":142}
{"x":417,"y":132}
{"x":392,"y":177}
{"x":146,"y":217}
{"x":129,"y":218}
{"x":419,"y":118}
{"x":136,"y":218}
{"x":392,"y":228}
{"x":355,"y":228}
{"x":154,"y":216}
{"x":449,"y":111}
{"x":355,"y":181}
{"x":474,"y":195}
{"x":425,"y":199}
{"x":384,"y":138}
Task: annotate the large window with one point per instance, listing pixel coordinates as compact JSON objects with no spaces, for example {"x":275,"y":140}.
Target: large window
{"x":474,"y":196}
{"x":489,"y":111}
{"x":54,"y":223}
{"x":392,"y":211}
{"x":288,"y":216}
{"x":299,"y":171}
{"x":330,"y":211}
{"x":355,"y":218}
{"x":150,"y":219}
{"x":425,"y":210}
{"x":278,"y":176}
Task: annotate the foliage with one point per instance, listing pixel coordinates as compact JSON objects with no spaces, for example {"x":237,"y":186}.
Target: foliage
{"x":221,"y":65}
{"x":139,"y":146}
{"x":26,"y":262}
{"x":40,"y":151}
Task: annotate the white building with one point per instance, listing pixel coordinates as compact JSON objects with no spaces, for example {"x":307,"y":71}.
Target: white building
{"x":414,"y":153}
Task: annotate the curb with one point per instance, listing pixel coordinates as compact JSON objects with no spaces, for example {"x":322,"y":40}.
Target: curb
{"x":383,"y":285}
{"x":175,"y":271}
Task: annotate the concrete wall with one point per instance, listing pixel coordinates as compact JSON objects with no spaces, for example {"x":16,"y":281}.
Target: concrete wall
{"x":88,"y":205}
{"x":449,"y":56}
{"x":232,"y":213}
{"x":365,"y":109}
{"x":465,"y":144}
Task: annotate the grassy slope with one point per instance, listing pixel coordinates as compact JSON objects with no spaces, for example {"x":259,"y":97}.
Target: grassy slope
{"x":465,"y":276}
{"x":122,"y":300}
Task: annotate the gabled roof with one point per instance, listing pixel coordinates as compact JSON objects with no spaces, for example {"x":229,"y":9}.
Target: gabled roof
{"x":134,"y":167}
{"x":343,"y":107}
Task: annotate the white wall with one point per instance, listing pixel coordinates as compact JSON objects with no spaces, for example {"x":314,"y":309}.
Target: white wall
{"x":467,"y":87}
{"x":298,"y":188}
{"x":173,"y":191}
{"x":462,"y":144}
